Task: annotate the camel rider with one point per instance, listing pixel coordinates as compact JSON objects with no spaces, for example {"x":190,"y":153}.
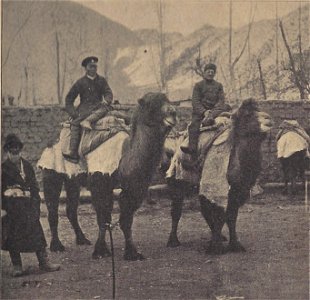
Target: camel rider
{"x":91,"y":88}
{"x":208,"y":101}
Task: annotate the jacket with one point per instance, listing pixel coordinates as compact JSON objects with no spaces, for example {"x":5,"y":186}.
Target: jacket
{"x":91,"y":92}
{"x":207,"y":95}
{"x":24,"y":232}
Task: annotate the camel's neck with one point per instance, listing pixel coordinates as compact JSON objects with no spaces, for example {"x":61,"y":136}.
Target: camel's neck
{"x":147,"y":143}
{"x":143,"y":155}
{"x":246,"y":160}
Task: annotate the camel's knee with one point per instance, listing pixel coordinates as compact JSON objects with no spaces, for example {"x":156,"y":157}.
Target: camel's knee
{"x":71,"y":210}
{"x":176,"y":208}
{"x":205,"y":206}
{"x":52,"y":215}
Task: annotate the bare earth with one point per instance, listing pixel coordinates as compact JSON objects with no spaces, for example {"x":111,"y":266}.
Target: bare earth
{"x":273,"y":229}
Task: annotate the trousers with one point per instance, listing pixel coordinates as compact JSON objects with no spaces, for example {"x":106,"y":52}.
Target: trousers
{"x":92,"y":117}
{"x":193,"y":132}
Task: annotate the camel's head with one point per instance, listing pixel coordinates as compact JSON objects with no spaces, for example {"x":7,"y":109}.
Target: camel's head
{"x":249,"y":121}
{"x":155,"y":110}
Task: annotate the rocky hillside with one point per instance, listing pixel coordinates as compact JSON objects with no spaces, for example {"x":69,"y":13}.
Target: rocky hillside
{"x":43,"y":44}
{"x":213,"y":44}
{"x":43,"y":39}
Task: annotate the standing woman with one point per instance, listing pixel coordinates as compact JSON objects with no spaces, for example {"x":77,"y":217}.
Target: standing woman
{"x":22,"y":230}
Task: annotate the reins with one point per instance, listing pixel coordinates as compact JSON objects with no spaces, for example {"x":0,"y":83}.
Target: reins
{"x":110,"y":227}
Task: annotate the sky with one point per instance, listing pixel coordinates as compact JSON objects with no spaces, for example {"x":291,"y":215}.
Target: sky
{"x":186,"y":16}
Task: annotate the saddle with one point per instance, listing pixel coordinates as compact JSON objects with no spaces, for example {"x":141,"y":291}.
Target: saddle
{"x":209,"y":136}
{"x":103,"y":130}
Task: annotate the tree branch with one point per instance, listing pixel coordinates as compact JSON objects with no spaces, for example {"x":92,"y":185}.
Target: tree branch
{"x":16,"y":34}
{"x":245,"y":42}
{"x":297,"y":81}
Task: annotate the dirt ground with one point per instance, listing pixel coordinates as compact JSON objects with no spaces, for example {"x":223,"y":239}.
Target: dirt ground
{"x":273,"y":229}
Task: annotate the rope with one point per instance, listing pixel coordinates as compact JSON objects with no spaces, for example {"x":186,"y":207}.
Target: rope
{"x":110,"y":227}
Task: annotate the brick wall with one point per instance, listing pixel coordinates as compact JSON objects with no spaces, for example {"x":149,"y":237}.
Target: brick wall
{"x":39,"y":126}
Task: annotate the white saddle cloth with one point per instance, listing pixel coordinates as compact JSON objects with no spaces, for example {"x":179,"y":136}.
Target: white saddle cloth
{"x":290,"y":143}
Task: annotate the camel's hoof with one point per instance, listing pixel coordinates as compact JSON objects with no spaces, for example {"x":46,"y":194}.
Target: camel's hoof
{"x":173,"y":242}
{"x":133,"y":256}
{"x":102,"y":254}
{"x":57,"y":246}
{"x":235,"y":247}
{"x":83,"y":241}
{"x":216,"y":249}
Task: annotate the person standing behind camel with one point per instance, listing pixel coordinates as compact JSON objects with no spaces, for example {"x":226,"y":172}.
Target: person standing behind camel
{"x":21,"y":227}
{"x":91,"y":88}
{"x":208,"y":101}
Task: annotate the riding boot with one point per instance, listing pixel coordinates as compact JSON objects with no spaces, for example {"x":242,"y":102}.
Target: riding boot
{"x":75,"y":137}
{"x":193,"y":139}
{"x":17,"y":264}
{"x":192,"y":148}
{"x":44,"y":263}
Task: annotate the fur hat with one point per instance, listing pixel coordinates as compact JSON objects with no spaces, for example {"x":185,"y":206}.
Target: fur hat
{"x":90,"y":59}
{"x":210,"y":66}
{"x":12,"y":140}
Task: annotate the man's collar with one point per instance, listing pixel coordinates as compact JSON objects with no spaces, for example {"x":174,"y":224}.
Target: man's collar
{"x":90,"y":77}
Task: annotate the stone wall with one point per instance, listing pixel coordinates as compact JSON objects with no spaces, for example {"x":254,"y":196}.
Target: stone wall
{"x":279,"y":111}
{"x":39,"y":126}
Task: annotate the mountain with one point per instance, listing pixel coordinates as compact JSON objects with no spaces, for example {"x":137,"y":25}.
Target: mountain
{"x":151,"y":36}
{"x":213,"y":45}
{"x":34,"y":32}
{"x":43,"y":45}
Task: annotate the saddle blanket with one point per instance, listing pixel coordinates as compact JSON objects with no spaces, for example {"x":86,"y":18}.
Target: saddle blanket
{"x":104,"y":129}
{"x":212,"y":181}
{"x":290,"y":143}
{"x":105,"y":158}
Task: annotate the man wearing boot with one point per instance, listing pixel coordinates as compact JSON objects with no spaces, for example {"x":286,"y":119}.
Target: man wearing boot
{"x":21,"y":202}
{"x":208,"y":101}
{"x":91,"y":88}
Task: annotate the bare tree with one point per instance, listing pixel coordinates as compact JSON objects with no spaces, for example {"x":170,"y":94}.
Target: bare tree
{"x":18,"y":31}
{"x":233,"y":63}
{"x":277,"y":53}
{"x":299,"y":78}
{"x":200,"y":62}
{"x":154,"y":68}
{"x":26,"y":73}
{"x":58,"y":67}
{"x":106,"y":50}
{"x":60,"y":74}
{"x":261,"y":77}
{"x":162,"y":48}
{"x":34,"y":93}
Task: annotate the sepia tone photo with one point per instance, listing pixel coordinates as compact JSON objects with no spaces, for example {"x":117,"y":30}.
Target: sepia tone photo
{"x":155,"y":149}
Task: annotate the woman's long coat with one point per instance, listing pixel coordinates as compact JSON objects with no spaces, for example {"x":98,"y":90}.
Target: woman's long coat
{"x":22,"y":230}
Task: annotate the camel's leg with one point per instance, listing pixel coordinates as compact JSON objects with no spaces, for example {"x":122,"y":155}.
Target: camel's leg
{"x":177,"y":199}
{"x":128,"y":206}
{"x":206,"y":211}
{"x":52,"y":184}
{"x":215,"y":218}
{"x":284,"y":165}
{"x":236,"y":199}
{"x":290,"y":180}
{"x":73,"y":194}
{"x":102,"y":197}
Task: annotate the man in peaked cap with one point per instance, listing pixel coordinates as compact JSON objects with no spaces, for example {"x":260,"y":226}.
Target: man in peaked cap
{"x":95,"y":99}
{"x":208,"y":101}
